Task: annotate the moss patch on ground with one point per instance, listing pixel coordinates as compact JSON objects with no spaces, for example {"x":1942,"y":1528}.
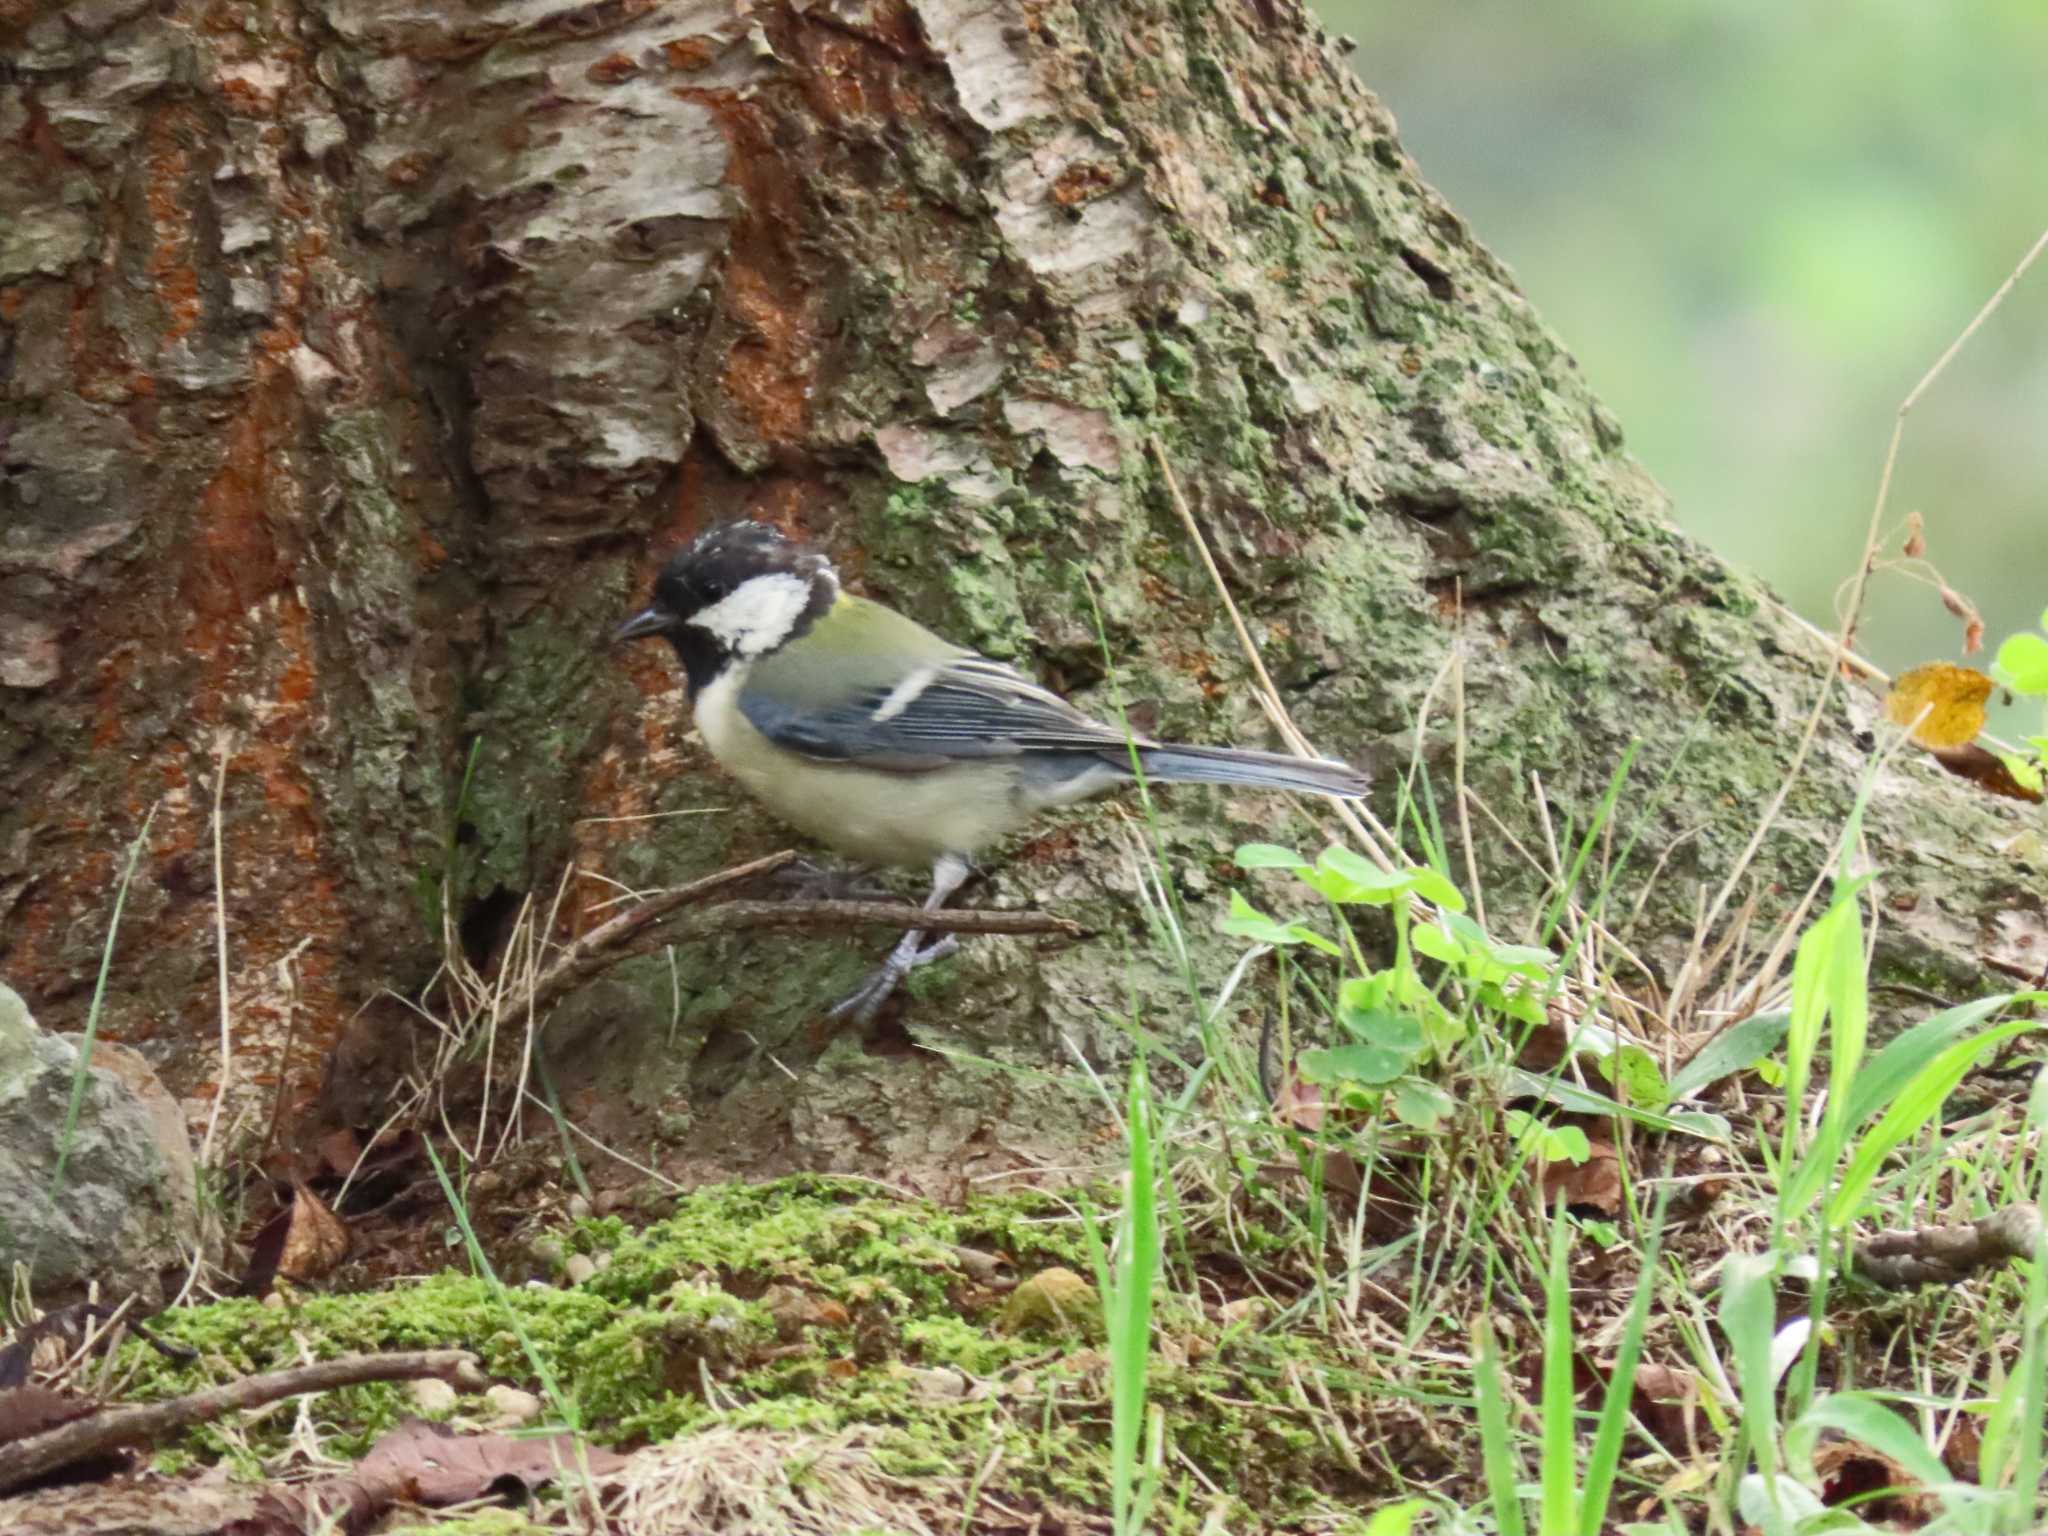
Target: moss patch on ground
{"x":819,"y":1306}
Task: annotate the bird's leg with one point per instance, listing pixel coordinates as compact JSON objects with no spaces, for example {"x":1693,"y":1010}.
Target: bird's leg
{"x":949,"y":873}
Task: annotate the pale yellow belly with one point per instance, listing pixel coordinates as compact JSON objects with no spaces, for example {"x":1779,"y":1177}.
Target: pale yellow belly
{"x":878,"y":818}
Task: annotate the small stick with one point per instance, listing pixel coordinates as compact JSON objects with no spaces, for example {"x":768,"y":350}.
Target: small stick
{"x":628,"y":934}
{"x":1379,"y":840}
{"x":23,"y":1461}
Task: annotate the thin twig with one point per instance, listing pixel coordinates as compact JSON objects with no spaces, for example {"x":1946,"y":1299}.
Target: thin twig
{"x":23,"y":1461}
{"x":1378,"y":842}
{"x":220,"y":944}
{"x":628,"y":936}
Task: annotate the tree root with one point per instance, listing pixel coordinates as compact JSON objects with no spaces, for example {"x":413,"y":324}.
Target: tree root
{"x":1949,"y":1255}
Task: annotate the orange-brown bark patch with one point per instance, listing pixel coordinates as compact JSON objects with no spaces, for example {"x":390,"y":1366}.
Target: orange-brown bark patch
{"x":769,"y":374}
{"x":166,"y":190}
{"x":611,"y":69}
{"x":689,"y":54}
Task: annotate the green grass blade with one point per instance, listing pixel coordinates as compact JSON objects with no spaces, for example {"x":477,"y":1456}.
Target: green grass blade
{"x":1560,"y":1515}
{"x":1887,"y":1072}
{"x":1603,"y":1461}
{"x":1749,"y":1319}
{"x":92,"y":1013}
{"x":1496,"y":1442}
{"x":1916,"y":1107}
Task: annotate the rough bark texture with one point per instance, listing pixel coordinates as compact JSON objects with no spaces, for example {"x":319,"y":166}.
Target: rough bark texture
{"x":359,"y":357}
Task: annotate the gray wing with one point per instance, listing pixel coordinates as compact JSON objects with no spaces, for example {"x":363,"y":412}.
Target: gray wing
{"x":967,"y":708}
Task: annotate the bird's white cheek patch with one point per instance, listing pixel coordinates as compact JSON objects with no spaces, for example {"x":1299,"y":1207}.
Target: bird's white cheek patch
{"x":758,"y":614}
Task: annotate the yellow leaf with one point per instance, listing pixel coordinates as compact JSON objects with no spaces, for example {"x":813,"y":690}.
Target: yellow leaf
{"x":1942,"y":705}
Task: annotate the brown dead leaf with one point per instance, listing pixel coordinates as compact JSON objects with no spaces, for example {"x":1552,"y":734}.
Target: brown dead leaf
{"x":428,"y":1463}
{"x":1941,"y":704}
{"x":1851,"y":1474}
{"x":1666,"y":1402}
{"x":1962,"y":1450}
{"x":339,"y":1150}
{"x":795,"y":1309}
{"x":1548,"y":1044}
{"x":1299,"y":1104}
{"x":1592,"y":1185}
{"x":302,"y":1242}
{"x":1986,"y":769}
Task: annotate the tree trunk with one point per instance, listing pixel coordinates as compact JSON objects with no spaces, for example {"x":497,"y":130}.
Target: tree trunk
{"x":361,"y":357}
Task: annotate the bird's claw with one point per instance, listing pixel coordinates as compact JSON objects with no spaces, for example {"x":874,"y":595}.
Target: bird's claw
{"x":860,"y":1006}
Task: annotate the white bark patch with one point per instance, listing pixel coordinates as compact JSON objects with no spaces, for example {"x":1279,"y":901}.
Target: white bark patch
{"x":1078,"y":437}
{"x":1304,"y":392}
{"x":316,"y":375}
{"x":28,"y":654}
{"x":260,"y":80}
{"x":914,"y":454}
{"x":757,"y":615}
{"x":1046,"y":233}
{"x":981,"y":487}
{"x":964,"y":366}
{"x":596,"y":185}
{"x":997,"y":82}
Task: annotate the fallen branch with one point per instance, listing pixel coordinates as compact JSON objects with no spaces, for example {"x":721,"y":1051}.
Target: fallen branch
{"x":23,"y":1461}
{"x":1948,"y":1255}
{"x":636,"y":932}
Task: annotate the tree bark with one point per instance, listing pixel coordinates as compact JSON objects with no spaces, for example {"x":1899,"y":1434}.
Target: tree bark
{"x":361,"y":357}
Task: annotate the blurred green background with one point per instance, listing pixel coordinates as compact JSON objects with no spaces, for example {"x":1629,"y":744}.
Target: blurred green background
{"x":1757,"y":224}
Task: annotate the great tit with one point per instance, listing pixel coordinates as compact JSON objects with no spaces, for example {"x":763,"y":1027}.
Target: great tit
{"x":864,"y":729}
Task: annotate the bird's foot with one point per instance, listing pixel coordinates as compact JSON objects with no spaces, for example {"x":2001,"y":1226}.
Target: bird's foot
{"x":860,"y":1006}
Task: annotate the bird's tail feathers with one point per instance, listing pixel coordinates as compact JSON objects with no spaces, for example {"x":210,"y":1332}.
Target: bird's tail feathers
{"x":1259,"y":770}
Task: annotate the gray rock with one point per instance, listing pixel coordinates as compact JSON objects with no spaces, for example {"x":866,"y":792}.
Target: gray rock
{"x":124,"y":1212}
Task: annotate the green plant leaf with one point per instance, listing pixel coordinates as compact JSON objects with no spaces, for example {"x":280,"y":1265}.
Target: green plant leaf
{"x":1349,"y":879}
{"x":1269,"y":856}
{"x":1422,"y":1105}
{"x":1357,"y":1063}
{"x":2025,"y":773}
{"x":1384,"y":1027}
{"x":1515,"y":1083}
{"x":1554,"y":1143}
{"x":1523,"y":959}
{"x":1432,"y":943}
{"x":1888,"y":1072}
{"x":1634,"y":1071}
{"x":2022,"y":663}
{"x":1436,"y":890}
{"x":1248,"y":922}
{"x":1736,"y":1049}
{"x":1395,"y":1519}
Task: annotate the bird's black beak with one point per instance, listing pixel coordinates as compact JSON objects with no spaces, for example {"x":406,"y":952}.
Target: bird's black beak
{"x":648,"y":621}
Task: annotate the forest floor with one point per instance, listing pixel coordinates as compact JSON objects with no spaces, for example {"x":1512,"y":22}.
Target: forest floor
{"x":1495,"y":1241}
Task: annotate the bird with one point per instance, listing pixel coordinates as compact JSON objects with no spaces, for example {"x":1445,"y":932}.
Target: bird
{"x":860,"y":727}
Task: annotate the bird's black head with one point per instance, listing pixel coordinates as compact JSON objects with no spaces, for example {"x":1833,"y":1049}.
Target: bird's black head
{"x":737,"y":590}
